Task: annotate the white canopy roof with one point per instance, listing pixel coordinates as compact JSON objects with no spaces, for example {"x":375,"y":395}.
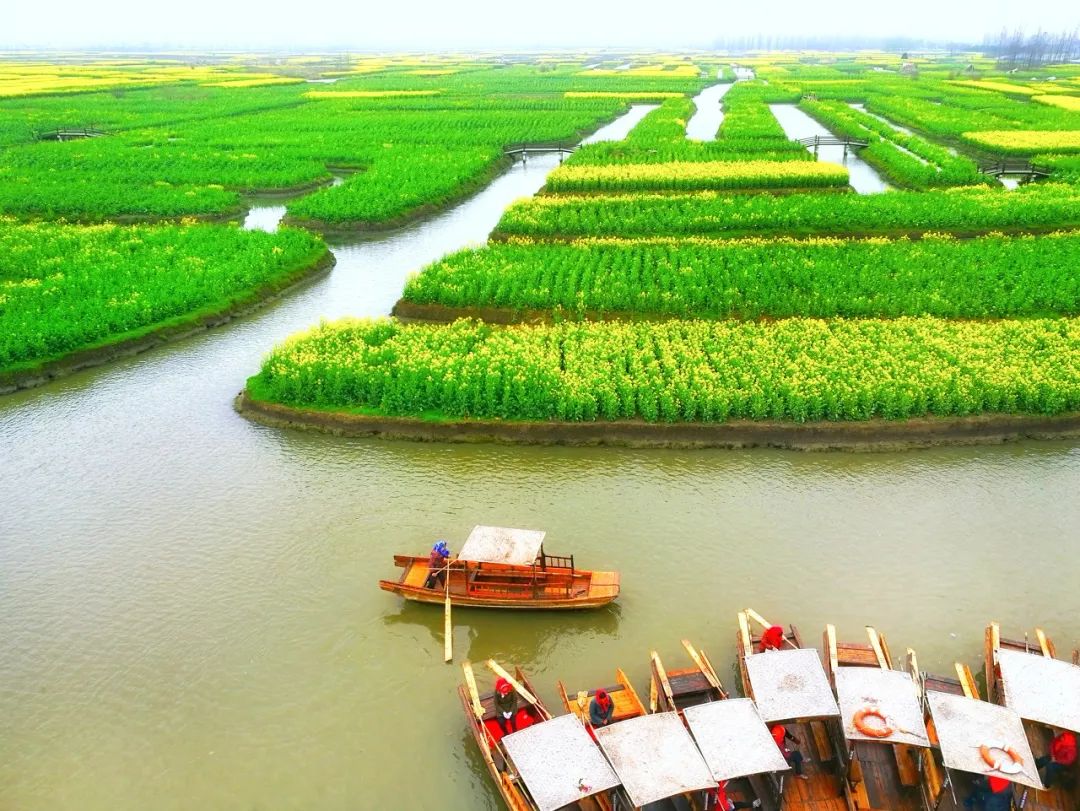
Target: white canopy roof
{"x":891,"y":693}
{"x":790,"y":684}
{"x":964,"y":724}
{"x":1041,"y":689}
{"x":559,"y":762}
{"x":733,"y":739}
{"x":516,"y":547}
{"x":655,"y":757}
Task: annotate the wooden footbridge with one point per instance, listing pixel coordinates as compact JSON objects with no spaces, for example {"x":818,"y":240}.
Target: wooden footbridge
{"x":1014,"y":166}
{"x":71,"y":134}
{"x":815,"y":141}
{"x":523,"y":151}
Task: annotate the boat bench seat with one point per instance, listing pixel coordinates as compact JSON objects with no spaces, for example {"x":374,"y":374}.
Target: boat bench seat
{"x":822,"y":744}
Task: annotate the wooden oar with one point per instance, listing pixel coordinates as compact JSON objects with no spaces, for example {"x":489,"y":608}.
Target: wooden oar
{"x":497,"y":669}
{"x":474,"y":694}
{"x":706,"y":671}
{"x":448,"y":631}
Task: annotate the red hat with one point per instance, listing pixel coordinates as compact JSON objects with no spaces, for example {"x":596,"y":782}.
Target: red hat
{"x":778,"y":734}
{"x":502,"y":686}
{"x":998,"y":784}
{"x":601,"y":694}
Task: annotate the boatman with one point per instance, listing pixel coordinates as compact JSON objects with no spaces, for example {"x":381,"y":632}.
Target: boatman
{"x":438,"y":561}
{"x":794,"y":758}
{"x":773,"y":638}
{"x":719,"y":800}
{"x":601,"y":709}
{"x":505,"y":705}
{"x":994,"y":794}
{"x":1062,"y":756}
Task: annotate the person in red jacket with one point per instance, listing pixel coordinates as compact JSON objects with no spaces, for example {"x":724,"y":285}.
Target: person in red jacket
{"x":718,"y":799}
{"x":994,"y":794}
{"x":772,"y":639}
{"x":794,"y":758}
{"x":1062,"y":756}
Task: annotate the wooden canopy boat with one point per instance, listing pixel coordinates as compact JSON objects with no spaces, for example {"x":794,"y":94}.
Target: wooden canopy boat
{"x":500,"y":567}
{"x":622,"y":694}
{"x":676,"y":690}
{"x":790,"y":688}
{"x":883,"y":753}
{"x":941,"y":790}
{"x":656,"y":761}
{"x":1045,"y":692}
{"x":961,"y":727}
{"x":480,"y":711}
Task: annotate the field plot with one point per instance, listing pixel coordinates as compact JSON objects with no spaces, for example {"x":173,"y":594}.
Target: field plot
{"x":725,"y":280}
{"x":66,"y":289}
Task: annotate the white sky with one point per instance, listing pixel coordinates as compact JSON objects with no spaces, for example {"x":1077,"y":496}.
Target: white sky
{"x":499,"y":24}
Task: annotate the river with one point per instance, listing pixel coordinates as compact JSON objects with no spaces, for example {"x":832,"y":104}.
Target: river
{"x":188,"y":600}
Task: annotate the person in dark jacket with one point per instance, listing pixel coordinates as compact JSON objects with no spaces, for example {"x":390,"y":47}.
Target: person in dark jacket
{"x":438,"y":561}
{"x":994,"y":794}
{"x":794,"y":758}
{"x":505,"y":705}
{"x":601,"y":709}
{"x":1062,"y":756}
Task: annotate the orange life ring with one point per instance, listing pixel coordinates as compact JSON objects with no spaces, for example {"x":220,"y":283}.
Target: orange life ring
{"x":882,"y":730}
{"x":1015,"y":765}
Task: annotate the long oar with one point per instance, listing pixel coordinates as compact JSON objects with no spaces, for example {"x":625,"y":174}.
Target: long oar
{"x":448,"y":632}
{"x":497,"y":669}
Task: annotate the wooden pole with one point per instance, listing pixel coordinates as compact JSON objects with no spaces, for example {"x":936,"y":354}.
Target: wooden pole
{"x":448,"y":631}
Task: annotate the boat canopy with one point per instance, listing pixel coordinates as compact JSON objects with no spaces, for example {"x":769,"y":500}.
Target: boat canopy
{"x":655,"y":757}
{"x":790,"y":684}
{"x":1040,"y":688}
{"x":514,"y":547}
{"x":893,"y":693}
{"x":965,"y":724}
{"x":734,"y":739}
{"x":559,"y":763}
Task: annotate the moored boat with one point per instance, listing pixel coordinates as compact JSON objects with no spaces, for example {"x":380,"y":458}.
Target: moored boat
{"x":622,"y":695}
{"x":686,"y":687}
{"x":1045,"y":692}
{"x":501,"y":567}
{"x":793,"y":696}
{"x":882,"y":720}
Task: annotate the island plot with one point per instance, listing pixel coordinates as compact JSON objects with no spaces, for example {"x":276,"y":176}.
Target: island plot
{"x":735,"y":291}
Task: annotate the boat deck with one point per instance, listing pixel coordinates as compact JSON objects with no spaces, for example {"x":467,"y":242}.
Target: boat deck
{"x":690,"y":688}
{"x":822,"y":791}
{"x":880,"y":786}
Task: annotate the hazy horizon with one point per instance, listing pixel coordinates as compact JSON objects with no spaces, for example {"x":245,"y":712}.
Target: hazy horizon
{"x":489,"y":25}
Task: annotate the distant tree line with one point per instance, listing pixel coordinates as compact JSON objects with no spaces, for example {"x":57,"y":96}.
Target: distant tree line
{"x":1015,"y":49}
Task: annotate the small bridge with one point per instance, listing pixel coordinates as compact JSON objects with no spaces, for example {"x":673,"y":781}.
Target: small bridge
{"x":815,"y":141}
{"x":71,"y":134}
{"x":1014,"y":166}
{"x":523,"y":151}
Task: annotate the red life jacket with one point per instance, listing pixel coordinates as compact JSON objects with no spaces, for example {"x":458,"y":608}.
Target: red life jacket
{"x":998,"y":784}
{"x":772,"y":638}
{"x":1063,"y":749}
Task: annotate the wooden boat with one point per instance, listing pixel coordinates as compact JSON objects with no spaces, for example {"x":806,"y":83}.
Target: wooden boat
{"x":676,"y":690}
{"x":622,"y":694}
{"x":961,"y":727}
{"x":500,"y":567}
{"x":1042,"y":690}
{"x":812,"y":718}
{"x":883,"y":761}
{"x":940,"y":790}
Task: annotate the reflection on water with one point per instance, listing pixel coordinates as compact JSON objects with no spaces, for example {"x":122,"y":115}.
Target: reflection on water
{"x":798,"y":124}
{"x":189,"y":601}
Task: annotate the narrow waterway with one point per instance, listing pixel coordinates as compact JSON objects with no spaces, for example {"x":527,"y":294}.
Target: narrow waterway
{"x":708,"y":115}
{"x":188,"y":600}
{"x":797,"y":124}
{"x":618,"y":129}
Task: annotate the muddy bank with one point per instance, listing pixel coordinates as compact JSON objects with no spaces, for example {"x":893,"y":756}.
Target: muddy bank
{"x":134,"y":343}
{"x":872,"y":435}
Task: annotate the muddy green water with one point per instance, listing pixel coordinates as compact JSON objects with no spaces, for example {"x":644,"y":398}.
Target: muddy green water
{"x":188,"y":604}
